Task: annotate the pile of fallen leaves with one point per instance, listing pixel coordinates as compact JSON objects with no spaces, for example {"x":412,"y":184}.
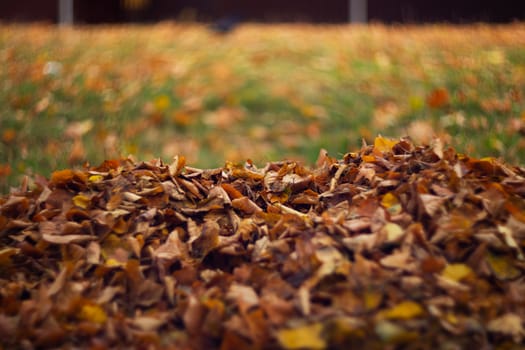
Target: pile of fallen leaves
{"x":393,"y":246}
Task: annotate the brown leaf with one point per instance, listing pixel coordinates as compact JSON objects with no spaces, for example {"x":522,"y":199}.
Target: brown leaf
{"x":194,"y":315}
{"x":93,"y":253}
{"x":149,"y":323}
{"x":66,"y":239}
{"x":509,"y":324}
{"x":171,"y":249}
{"x":207,"y":240}
{"x":400,"y":260}
{"x":59,"y":282}
{"x":432,"y":204}
{"x":244,"y":296}
{"x":245,"y":205}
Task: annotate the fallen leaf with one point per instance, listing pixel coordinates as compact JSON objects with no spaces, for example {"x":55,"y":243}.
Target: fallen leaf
{"x":456,"y":272}
{"x":59,"y":282}
{"x":391,"y":203}
{"x":383,"y":145}
{"x":81,"y":201}
{"x":403,"y":311}
{"x":66,"y":239}
{"x":438,"y":98}
{"x":93,"y":313}
{"x":148,"y":323}
{"x":302,"y":337}
{"x":245,"y":205}
{"x":244,"y":296}
{"x":391,"y":333}
{"x":509,"y":324}
{"x":502,"y":267}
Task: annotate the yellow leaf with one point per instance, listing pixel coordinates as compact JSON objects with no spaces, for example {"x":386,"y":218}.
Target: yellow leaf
{"x":405,"y":310}
{"x":372,"y":299}
{"x":162,"y":102}
{"x":391,"y":203}
{"x":304,"y":337}
{"x":93,"y":313}
{"x":111,"y":262}
{"x":502,"y":267}
{"x":383,"y":145}
{"x":456,"y":272}
{"x":96,"y":178}
{"x":389,"y":200}
{"x":451,"y":318}
{"x":81,"y":201}
{"x":416,"y":103}
{"x":392,"y":232}
{"x":495,"y":57}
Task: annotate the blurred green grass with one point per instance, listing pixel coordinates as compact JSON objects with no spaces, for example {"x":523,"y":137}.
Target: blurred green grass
{"x":74,"y":95}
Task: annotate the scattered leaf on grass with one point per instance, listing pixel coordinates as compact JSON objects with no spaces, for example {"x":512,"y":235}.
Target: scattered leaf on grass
{"x":438,"y":98}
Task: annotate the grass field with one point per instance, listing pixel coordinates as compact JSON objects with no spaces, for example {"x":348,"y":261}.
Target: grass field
{"x":70,"y":96}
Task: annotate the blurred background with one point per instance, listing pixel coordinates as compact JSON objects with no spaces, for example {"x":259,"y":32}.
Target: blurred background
{"x":82,"y":81}
{"x":334,"y":11}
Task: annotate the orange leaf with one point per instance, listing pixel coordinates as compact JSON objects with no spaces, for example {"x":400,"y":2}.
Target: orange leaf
{"x":5,"y":170}
{"x":368,"y":159}
{"x":233,"y":193}
{"x":8,"y":135}
{"x":245,"y":205}
{"x":111,"y":164}
{"x":438,"y":98}
{"x":62,"y":177}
